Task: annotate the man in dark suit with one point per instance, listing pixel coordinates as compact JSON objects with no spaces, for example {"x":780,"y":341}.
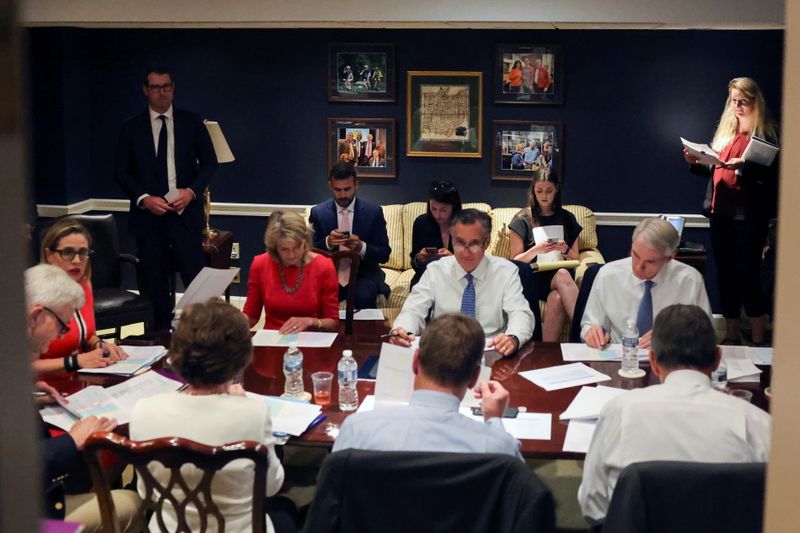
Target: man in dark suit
{"x":164,"y":162}
{"x":367,"y":232}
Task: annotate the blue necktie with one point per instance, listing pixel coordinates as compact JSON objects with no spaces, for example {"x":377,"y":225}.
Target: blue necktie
{"x":161,"y":154}
{"x":468,"y":298}
{"x":644,"y":317}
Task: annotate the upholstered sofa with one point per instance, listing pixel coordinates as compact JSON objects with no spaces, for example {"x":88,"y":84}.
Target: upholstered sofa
{"x":400,"y":221}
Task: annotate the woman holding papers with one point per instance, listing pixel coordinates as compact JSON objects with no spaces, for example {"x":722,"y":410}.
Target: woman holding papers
{"x":210,"y":347}
{"x":67,"y":245}
{"x":297,"y":288}
{"x":430,"y":238}
{"x":529,"y":244}
{"x":743,"y":199}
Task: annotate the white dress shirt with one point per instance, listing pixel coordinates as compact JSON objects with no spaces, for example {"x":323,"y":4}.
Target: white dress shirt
{"x":616,"y":294}
{"x":351,"y":210}
{"x":683,"y":419}
{"x":156,"y":124}
{"x":499,"y":303}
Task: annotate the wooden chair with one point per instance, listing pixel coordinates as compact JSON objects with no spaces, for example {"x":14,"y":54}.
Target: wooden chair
{"x":338,"y":257}
{"x":173,"y":453}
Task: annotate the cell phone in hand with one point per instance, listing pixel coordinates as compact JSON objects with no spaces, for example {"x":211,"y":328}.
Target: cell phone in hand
{"x":431,"y":250}
{"x":511,"y":412}
{"x":345,"y":234}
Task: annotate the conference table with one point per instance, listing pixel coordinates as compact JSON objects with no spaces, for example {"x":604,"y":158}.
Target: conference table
{"x":265,"y":376}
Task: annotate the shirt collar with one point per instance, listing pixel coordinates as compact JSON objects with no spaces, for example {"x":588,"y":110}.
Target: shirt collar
{"x":435,"y":399}
{"x":155,"y":114}
{"x":479,"y":273}
{"x":662,"y":274}
{"x":687,"y":376}
{"x":351,"y":206}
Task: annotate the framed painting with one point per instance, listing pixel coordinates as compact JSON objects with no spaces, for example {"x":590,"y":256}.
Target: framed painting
{"x":529,"y":74}
{"x":368,"y":143}
{"x":444,"y":114}
{"x":361,"y":72}
{"x":522,"y":148}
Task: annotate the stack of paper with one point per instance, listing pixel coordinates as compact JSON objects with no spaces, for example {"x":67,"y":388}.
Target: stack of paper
{"x":363,"y":314}
{"x":114,"y":402}
{"x":703,"y":152}
{"x":306,"y":339}
{"x":582,"y":352}
{"x":289,"y":416}
{"x":564,"y":376}
{"x":582,"y":414}
{"x":739,"y":361}
{"x":139,"y":357}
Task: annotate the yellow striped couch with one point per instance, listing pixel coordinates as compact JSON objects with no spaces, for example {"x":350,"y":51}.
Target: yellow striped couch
{"x":400,"y":221}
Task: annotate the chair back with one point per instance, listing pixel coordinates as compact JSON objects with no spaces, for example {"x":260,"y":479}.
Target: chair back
{"x":365,"y":491}
{"x":105,"y":243}
{"x":339,"y":257}
{"x":670,"y":496}
{"x":580,"y":302}
{"x":527,"y":277}
{"x":173,"y":453}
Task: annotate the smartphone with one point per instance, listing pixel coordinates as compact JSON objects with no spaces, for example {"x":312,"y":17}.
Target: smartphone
{"x":432,"y":250}
{"x":345,"y":234}
{"x":511,"y":412}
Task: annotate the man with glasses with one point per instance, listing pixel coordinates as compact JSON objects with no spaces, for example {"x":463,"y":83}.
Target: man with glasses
{"x":472,"y":283}
{"x":164,"y":162}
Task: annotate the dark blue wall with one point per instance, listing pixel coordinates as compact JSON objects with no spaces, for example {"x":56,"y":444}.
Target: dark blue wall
{"x":629,"y":95}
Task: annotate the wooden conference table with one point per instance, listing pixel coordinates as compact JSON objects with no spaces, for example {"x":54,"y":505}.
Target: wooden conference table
{"x":265,"y":376}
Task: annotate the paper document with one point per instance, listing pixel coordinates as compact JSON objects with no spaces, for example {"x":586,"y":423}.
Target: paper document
{"x":552,"y":234}
{"x":588,"y":402}
{"x":305,"y":339}
{"x":394,"y":382}
{"x":758,"y":355}
{"x":289,"y":416}
{"x":209,"y":283}
{"x":703,"y":152}
{"x":363,"y":314}
{"x":760,"y":151}
{"x":171,"y":196}
{"x":470,"y":400}
{"x":138,"y":358}
{"x":564,"y":376}
{"x":574,"y":351}
{"x":740,"y":366}
{"x":579,"y":435}
{"x":529,"y":426}
{"x":112,"y":402}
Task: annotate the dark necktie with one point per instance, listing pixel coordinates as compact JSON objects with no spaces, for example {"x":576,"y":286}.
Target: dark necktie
{"x":644,"y":317}
{"x":161,"y":154}
{"x":468,"y":298}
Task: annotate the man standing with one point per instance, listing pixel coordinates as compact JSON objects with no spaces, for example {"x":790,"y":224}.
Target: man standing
{"x":540,"y":77}
{"x":164,"y":162}
{"x":348,"y":222}
{"x":367,"y":148}
{"x":531,"y":154}
{"x":682,"y":419}
{"x":446,"y":365}
{"x":638,"y":287}
{"x":347,"y":151}
{"x":484,"y":287}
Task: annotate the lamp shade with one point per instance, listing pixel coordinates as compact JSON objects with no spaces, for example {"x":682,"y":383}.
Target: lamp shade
{"x":223,"y":151}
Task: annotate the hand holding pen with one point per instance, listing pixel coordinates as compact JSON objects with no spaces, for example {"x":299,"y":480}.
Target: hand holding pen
{"x":597,"y":337}
{"x":399,"y":337}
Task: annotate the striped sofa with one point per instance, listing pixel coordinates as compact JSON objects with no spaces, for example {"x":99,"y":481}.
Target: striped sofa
{"x":400,"y":221}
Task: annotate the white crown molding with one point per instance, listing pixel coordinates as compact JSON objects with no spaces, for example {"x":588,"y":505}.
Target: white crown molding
{"x":265,"y":210}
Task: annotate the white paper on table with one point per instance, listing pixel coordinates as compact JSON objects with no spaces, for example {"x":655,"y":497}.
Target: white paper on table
{"x":761,"y":356}
{"x":737,"y":360}
{"x":574,"y":351}
{"x":57,"y":416}
{"x":209,"y":283}
{"x":588,"y":402}
{"x":367,"y":404}
{"x":705,"y":154}
{"x":529,"y":426}
{"x":305,"y":339}
{"x":470,"y":400}
{"x":363,"y":314}
{"x":138,"y":358}
{"x":288,"y":416}
{"x":394,"y":382}
{"x":548,"y":233}
{"x":172,"y":195}
{"x":148,"y":384}
{"x":564,"y":376}
{"x":579,"y":435}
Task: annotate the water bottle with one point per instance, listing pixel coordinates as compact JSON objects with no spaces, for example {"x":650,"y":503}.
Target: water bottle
{"x":348,"y":377}
{"x":630,"y":349}
{"x":719,"y":377}
{"x":293,"y":370}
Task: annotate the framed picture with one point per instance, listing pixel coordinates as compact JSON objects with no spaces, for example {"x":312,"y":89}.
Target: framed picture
{"x":522,"y":147}
{"x":444,"y":114}
{"x":368,"y":143}
{"x":529,"y":74}
{"x":361,"y":72}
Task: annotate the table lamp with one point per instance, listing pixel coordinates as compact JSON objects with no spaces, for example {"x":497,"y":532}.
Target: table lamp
{"x":224,"y":155}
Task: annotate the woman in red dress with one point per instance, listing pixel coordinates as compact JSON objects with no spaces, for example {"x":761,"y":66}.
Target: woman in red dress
{"x":744,"y":198}
{"x":297,"y":288}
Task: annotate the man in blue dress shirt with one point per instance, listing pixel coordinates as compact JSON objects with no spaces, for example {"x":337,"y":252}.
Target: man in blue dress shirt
{"x":446,"y":365}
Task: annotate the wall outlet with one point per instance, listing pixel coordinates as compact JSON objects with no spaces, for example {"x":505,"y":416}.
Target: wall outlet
{"x":235,"y":251}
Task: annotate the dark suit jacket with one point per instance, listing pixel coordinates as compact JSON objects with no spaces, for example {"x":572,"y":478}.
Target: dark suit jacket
{"x":134,"y":169}
{"x":368,"y":224}
{"x":60,"y":460}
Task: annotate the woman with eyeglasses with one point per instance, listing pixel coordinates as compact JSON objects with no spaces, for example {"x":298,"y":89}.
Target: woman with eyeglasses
{"x":741,"y":199}
{"x":556,"y":287}
{"x":67,"y":245}
{"x":430,"y":237}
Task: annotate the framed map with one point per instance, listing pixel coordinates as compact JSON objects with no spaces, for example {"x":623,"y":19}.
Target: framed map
{"x":444,"y":114}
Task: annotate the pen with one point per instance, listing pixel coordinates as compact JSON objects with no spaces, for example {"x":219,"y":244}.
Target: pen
{"x":102,"y":345}
{"x":39,"y":393}
{"x":389,"y":335}
{"x":317,"y":421}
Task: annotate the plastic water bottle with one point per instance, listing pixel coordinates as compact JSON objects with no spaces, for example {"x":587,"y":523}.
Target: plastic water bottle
{"x":293,"y":370}
{"x":630,"y":349}
{"x":719,"y":377}
{"x":348,"y":377}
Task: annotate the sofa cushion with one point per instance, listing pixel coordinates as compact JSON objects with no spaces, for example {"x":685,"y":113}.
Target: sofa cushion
{"x":399,"y":282}
{"x":588,"y":237}
{"x":394,"y":228}
{"x":501,"y":242}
